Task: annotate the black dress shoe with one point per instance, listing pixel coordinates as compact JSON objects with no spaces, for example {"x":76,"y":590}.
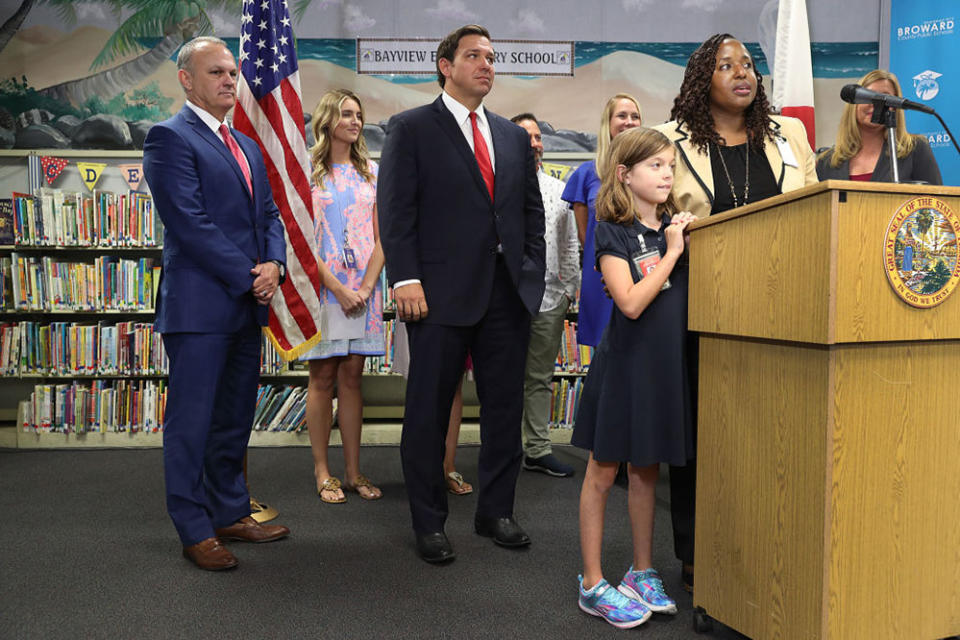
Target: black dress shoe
{"x":504,"y":531}
{"x":434,"y":547}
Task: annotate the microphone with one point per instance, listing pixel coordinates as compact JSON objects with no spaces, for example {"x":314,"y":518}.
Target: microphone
{"x":855,"y":94}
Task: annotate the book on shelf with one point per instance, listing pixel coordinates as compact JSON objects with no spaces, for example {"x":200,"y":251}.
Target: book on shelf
{"x":6,"y":221}
{"x":42,"y":283}
{"x":121,"y":405}
{"x":6,"y":284}
{"x":572,"y":357}
{"x":98,"y":406}
{"x":24,"y":223}
{"x":287,"y":409}
{"x":275,"y":402}
{"x":263,"y":391}
{"x":9,"y":348}
{"x":74,"y":219}
{"x":297,"y":418}
{"x":281,"y":408}
{"x":565,"y":400}
{"x":70,"y":348}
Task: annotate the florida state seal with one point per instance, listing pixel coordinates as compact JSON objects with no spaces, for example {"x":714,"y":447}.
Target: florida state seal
{"x":920,"y":251}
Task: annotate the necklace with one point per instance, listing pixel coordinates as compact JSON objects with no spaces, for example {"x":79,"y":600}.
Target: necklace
{"x":746,"y":185}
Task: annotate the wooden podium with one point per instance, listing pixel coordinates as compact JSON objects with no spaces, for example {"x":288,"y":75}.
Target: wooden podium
{"x":828,"y":486}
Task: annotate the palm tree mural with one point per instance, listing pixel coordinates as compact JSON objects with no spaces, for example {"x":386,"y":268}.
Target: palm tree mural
{"x":12,"y":24}
{"x":173,"y":21}
{"x":64,"y":7}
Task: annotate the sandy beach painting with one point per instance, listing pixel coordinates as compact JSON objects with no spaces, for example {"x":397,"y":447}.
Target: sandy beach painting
{"x":53,"y":80}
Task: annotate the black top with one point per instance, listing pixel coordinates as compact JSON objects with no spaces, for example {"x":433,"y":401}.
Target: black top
{"x":918,"y":166}
{"x":763,"y":184}
{"x":635,"y":404}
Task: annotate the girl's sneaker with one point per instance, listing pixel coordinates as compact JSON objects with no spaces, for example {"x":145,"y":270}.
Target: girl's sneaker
{"x":606,"y":602}
{"x":647,"y":588}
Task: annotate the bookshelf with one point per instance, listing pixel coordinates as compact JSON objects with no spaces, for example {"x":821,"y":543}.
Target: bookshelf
{"x":78,"y":355}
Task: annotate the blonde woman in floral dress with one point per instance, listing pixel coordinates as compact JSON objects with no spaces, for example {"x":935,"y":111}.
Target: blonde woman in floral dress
{"x":350,"y":260}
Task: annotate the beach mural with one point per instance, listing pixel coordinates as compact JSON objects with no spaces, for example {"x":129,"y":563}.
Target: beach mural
{"x":99,"y":74}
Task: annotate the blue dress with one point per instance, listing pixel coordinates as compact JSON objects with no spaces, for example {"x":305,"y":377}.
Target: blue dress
{"x":636,"y":403}
{"x":595,"y":306}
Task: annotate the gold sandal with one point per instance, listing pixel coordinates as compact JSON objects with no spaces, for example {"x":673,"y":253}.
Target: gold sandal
{"x":331,"y":484}
{"x":363,"y":481}
{"x":456,"y":484}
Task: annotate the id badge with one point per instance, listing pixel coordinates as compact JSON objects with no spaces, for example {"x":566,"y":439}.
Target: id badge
{"x":349,"y":258}
{"x":646,"y":262}
{"x":786,"y":153}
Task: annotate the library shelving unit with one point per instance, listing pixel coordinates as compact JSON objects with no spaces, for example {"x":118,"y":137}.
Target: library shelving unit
{"x":79,"y":281}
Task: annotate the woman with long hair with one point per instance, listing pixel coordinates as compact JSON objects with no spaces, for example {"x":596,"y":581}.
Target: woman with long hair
{"x":350,"y":260}
{"x":730,"y":151}
{"x":861,"y":151}
{"x":621,"y":113}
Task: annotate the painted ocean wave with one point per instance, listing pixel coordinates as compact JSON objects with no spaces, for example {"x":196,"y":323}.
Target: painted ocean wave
{"x":830,"y":59}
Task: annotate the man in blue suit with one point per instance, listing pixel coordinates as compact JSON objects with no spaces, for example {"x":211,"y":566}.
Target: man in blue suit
{"x":461,"y":222}
{"x":223,"y":258}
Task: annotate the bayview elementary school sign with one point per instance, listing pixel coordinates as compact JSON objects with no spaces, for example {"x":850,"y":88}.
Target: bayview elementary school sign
{"x":418,"y":56}
{"x":920,"y":252}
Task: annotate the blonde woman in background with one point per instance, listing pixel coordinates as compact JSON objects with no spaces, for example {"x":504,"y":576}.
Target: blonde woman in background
{"x":350,"y":260}
{"x":622,"y":112}
{"x":861,"y":151}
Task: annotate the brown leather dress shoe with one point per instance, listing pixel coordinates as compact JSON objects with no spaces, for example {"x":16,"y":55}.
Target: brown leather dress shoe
{"x":249,"y":530}
{"x":210,"y":555}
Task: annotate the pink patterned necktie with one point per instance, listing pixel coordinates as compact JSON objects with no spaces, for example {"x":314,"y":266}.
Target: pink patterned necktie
{"x":483,"y":154}
{"x":237,"y":154}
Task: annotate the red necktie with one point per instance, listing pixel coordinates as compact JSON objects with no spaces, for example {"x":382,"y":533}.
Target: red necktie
{"x":483,"y":154}
{"x":237,"y":154}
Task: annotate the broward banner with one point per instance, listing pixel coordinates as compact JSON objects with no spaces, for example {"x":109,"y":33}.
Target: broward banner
{"x":924,"y":40}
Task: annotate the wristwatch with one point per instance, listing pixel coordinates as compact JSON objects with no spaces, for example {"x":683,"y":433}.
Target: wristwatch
{"x":281,"y":268}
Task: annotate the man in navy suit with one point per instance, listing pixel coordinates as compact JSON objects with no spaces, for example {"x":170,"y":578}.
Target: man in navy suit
{"x":461,"y":222}
{"x":223,"y":258}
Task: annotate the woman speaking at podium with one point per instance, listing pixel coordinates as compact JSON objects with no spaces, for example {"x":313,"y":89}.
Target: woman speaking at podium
{"x":730,"y":152}
{"x":861,"y":152}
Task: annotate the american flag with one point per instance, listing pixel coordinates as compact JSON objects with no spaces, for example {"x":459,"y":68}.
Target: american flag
{"x":270,"y":111}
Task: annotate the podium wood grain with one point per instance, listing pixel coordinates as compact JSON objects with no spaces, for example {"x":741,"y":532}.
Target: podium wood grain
{"x":828,"y":487}
{"x":895,"y":491}
{"x":761,"y":517}
{"x":807,"y":267}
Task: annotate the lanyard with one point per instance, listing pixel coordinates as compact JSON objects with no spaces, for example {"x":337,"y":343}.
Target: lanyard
{"x":347,"y":253}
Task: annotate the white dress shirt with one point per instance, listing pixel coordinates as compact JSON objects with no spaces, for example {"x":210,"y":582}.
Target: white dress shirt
{"x":211,"y":121}
{"x":563,"y":249}
{"x":207,"y":118}
{"x":462,"y":115}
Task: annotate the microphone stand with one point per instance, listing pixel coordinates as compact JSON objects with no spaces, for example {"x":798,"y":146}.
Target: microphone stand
{"x":885,"y":115}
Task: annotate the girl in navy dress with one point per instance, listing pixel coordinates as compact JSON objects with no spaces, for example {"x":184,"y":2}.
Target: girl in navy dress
{"x":636,"y":400}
